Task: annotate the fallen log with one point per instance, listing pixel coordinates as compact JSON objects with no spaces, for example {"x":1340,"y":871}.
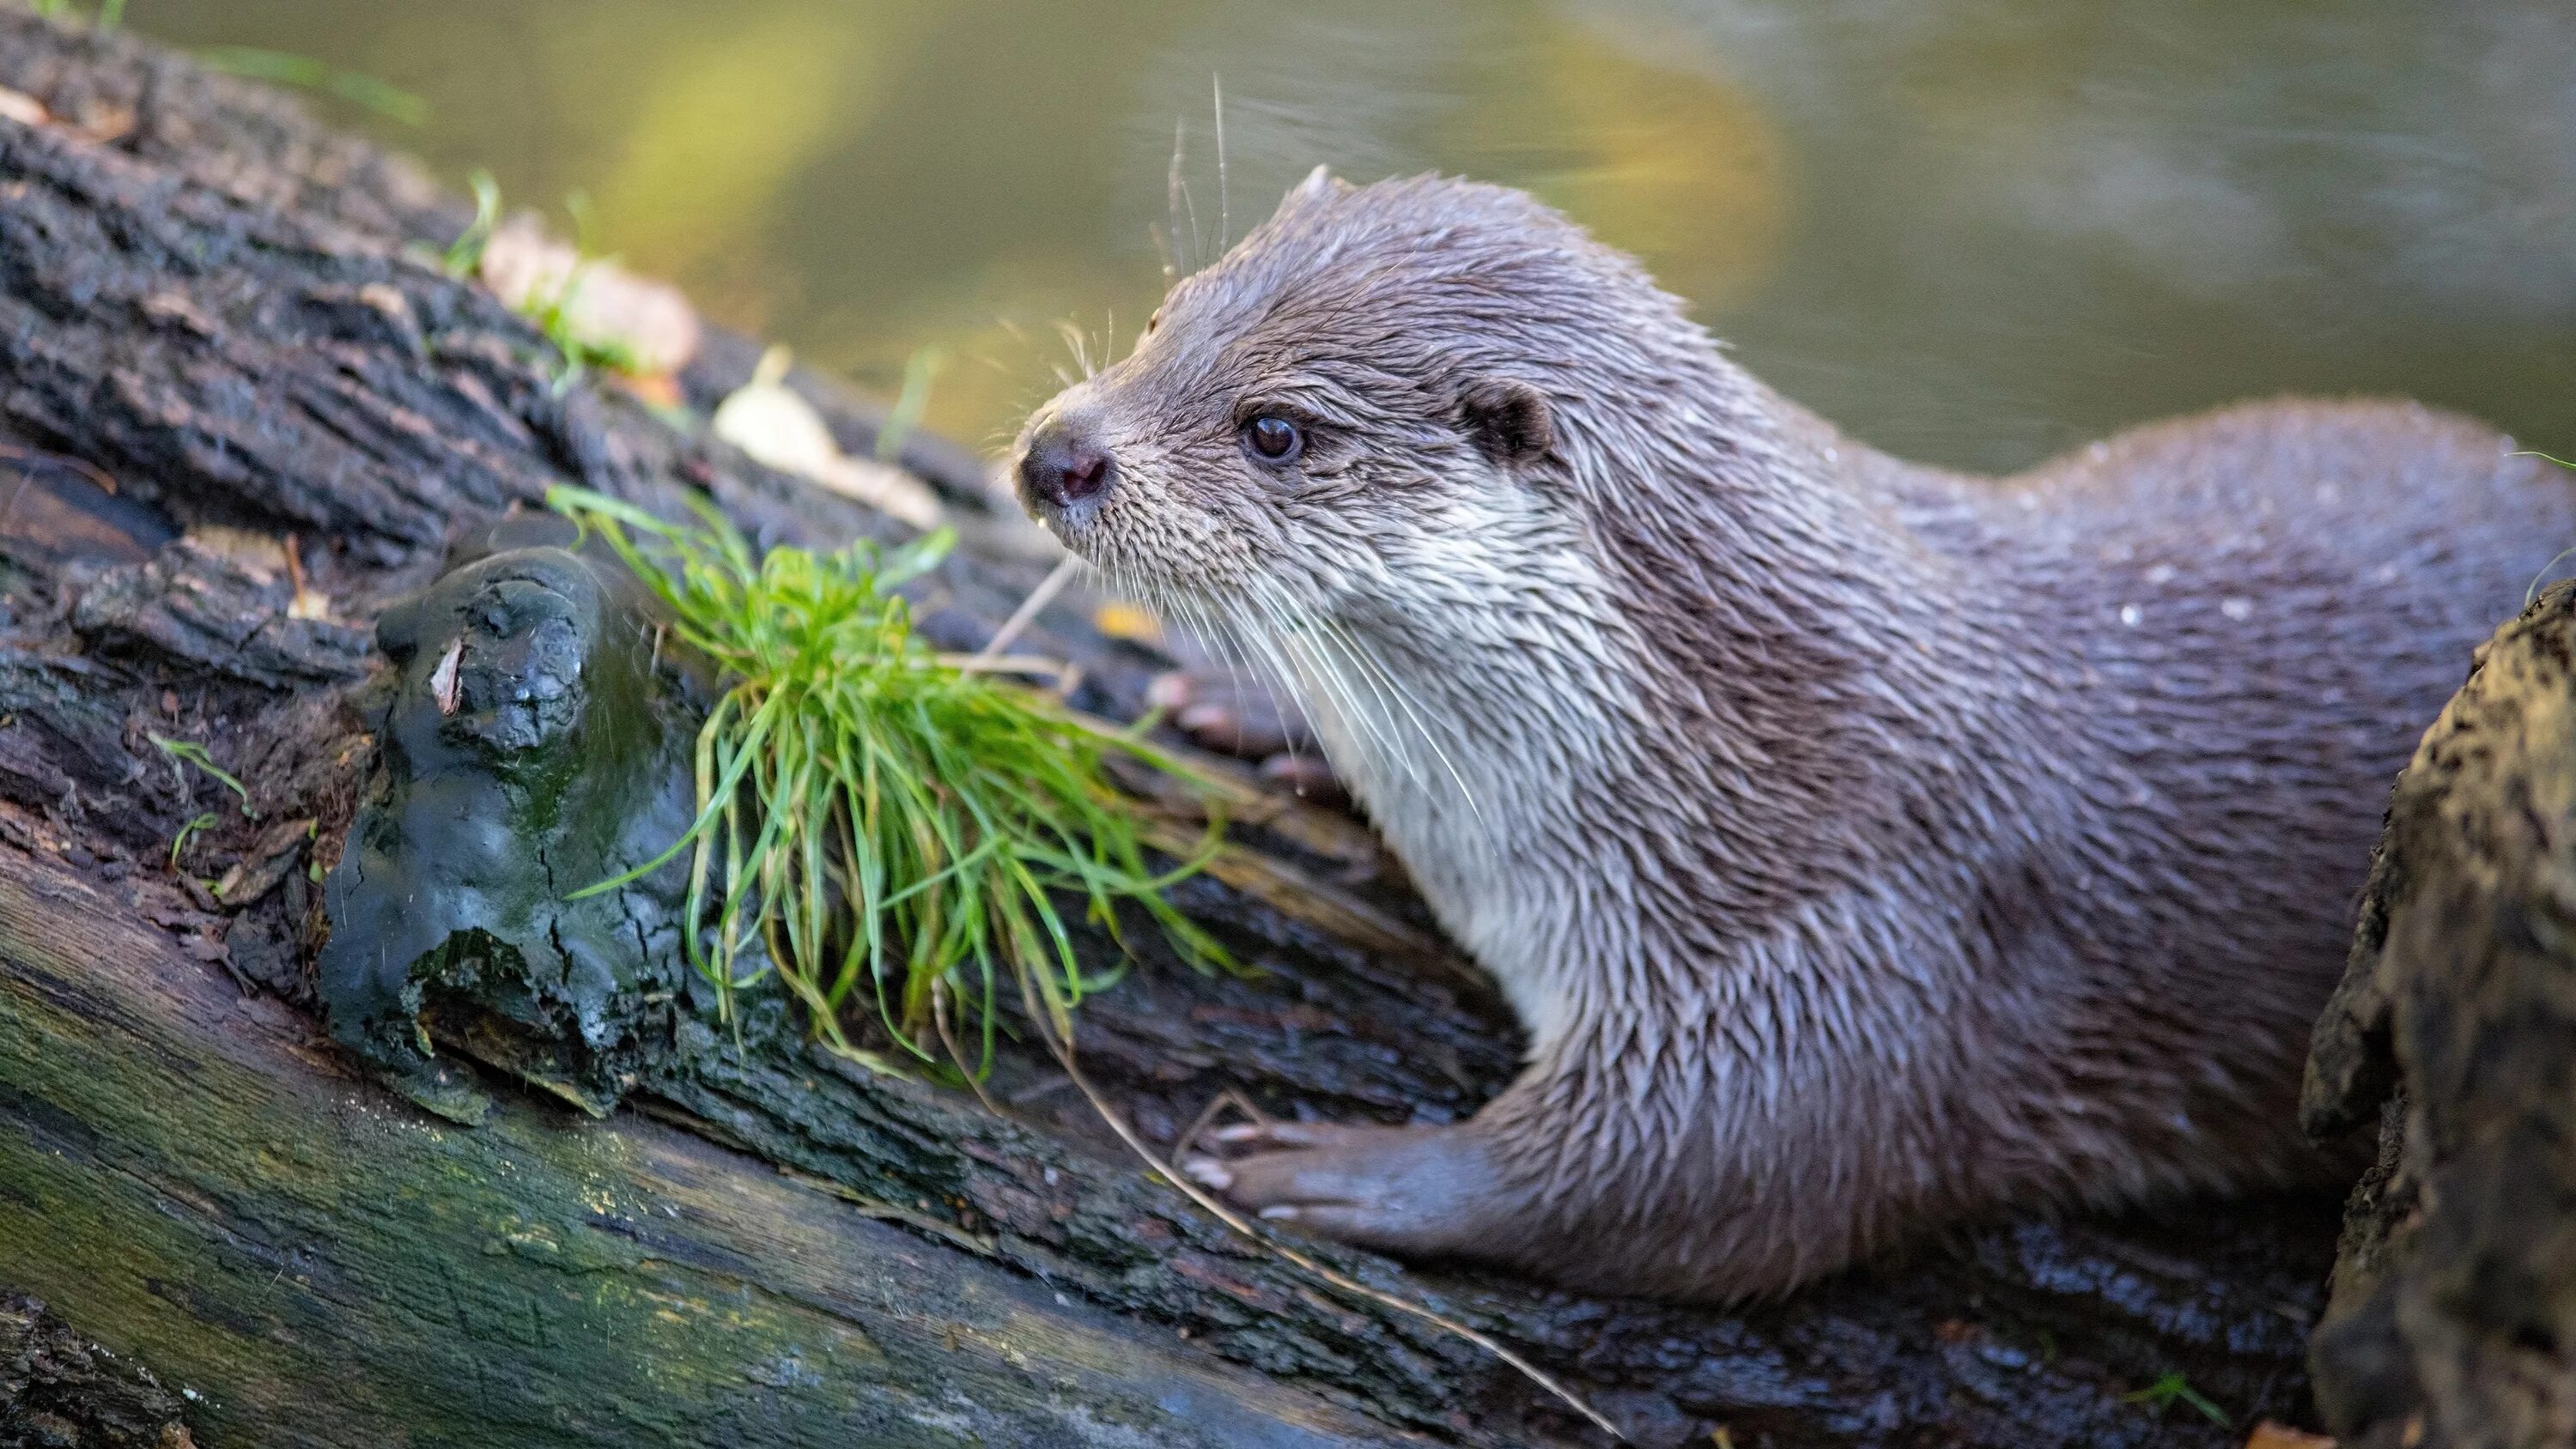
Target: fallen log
{"x":232,"y":381}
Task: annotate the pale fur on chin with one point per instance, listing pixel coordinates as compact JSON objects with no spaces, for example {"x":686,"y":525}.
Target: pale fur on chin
{"x":1864,"y":845}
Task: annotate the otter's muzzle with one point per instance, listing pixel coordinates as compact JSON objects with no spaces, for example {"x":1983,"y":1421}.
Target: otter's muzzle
{"x":1063,"y":468}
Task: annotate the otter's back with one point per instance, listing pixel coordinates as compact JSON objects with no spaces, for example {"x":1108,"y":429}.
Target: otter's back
{"x":2263,"y":608}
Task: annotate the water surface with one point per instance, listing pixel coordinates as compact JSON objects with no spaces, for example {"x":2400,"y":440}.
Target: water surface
{"x":1971,"y":231}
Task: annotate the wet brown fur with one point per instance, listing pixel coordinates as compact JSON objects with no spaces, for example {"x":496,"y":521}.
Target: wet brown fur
{"x":1865,"y":845}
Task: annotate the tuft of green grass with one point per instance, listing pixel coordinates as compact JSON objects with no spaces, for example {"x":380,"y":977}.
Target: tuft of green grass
{"x":111,"y":13}
{"x":886,"y":824}
{"x":551,"y":311}
{"x":279,"y":67}
{"x":465,"y":254}
{"x":189,"y":752}
{"x":919,"y":371}
{"x":581,"y":355}
{"x":188,"y":832}
{"x":2172,"y":1389}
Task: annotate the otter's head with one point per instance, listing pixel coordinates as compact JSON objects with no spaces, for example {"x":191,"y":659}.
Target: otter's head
{"x":1380,"y":402}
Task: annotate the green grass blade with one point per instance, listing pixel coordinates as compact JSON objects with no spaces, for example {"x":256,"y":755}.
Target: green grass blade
{"x":885,"y":820}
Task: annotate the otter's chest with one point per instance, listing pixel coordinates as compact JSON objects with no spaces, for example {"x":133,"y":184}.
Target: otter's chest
{"x":1485,"y":836}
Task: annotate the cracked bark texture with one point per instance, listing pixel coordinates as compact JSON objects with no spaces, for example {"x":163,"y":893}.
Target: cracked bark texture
{"x":2453,"y":1318}
{"x":223,"y":309}
{"x":61,"y":1391}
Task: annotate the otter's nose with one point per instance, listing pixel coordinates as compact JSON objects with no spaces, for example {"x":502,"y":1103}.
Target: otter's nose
{"x":1062,"y":468}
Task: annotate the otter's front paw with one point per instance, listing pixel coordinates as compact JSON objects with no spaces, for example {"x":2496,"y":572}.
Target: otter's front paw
{"x":1412,"y":1191}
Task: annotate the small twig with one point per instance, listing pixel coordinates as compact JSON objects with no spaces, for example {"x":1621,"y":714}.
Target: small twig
{"x":1230,"y":1097}
{"x":1063,"y":1051}
{"x":1029,"y":664}
{"x":1067,"y":682}
{"x":1034,"y":1090}
{"x":83,"y":467}
{"x":1038,"y":598}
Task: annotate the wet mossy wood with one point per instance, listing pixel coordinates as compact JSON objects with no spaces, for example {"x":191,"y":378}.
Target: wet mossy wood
{"x":326,"y":1267}
{"x":223,"y":309}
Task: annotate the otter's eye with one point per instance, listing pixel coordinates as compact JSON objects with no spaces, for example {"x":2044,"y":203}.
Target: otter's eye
{"x":1273,"y":438}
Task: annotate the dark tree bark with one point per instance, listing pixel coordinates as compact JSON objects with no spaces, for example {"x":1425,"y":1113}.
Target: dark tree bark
{"x":58,"y":1389}
{"x":2453,"y":1320}
{"x":220,"y":309}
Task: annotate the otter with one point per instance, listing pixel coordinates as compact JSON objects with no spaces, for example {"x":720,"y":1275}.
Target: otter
{"x":1864,"y":846}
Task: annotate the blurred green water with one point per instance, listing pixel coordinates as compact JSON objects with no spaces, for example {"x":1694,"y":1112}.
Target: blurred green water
{"x":1968,"y":230}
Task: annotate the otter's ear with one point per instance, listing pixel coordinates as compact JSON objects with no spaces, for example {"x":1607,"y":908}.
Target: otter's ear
{"x":1319,"y":183}
{"x":1507,"y":418}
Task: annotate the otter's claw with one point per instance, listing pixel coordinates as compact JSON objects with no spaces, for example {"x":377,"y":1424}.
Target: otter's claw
{"x":1416,"y":1191}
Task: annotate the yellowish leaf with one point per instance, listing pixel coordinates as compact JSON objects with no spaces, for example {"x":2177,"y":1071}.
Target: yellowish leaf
{"x":1121,"y":620}
{"x":2271,"y":1434}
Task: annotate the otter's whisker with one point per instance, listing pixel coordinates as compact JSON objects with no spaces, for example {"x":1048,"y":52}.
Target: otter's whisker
{"x":1331,"y":676}
{"x":1172,"y":607}
{"x":1204,"y":626}
{"x":1077,"y":344}
{"x":1381,"y":684}
{"x":1259,"y":639}
{"x":1255,"y":637}
{"x":1373,"y":667}
{"x":1284,"y":698}
{"x":1240,"y":672}
{"x":1230,"y":641}
{"x":1351,"y":663}
{"x":1224,"y":210}
{"x":1189,"y":209}
{"x":1341,"y":659}
{"x":1175,"y":191}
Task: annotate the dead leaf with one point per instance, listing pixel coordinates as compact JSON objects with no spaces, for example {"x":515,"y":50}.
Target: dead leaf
{"x":261,"y":555}
{"x":657,"y":389}
{"x":1121,"y":620}
{"x":604,"y":305}
{"x":305,"y":602}
{"x":101,"y":121}
{"x":23,"y":108}
{"x":443,"y":683}
{"x":266,"y":865}
{"x":778,"y":428}
{"x":2271,"y":1434}
{"x":774,"y":424}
